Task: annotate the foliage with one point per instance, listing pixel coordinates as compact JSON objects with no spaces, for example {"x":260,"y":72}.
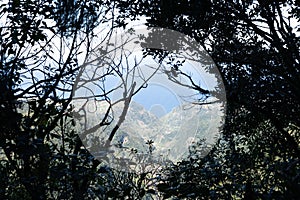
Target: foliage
{"x":255,"y":47}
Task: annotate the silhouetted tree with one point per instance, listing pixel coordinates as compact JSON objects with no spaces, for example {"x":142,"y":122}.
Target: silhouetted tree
{"x":42,"y":45}
{"x":256,"y":47}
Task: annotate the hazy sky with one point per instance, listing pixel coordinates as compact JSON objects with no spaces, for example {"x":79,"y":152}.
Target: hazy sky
{"x":160,"y":91}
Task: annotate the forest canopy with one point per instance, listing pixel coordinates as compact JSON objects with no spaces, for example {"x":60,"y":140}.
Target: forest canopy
{"x":255,"y":46}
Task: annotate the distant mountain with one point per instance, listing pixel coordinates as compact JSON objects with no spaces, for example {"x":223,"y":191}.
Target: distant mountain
{"x":172,"y":133}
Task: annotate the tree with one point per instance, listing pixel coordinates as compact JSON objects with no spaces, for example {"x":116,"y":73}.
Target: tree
{"x":42,"y":45}
{"x":109,"y":80}
{"x":256,"y":47}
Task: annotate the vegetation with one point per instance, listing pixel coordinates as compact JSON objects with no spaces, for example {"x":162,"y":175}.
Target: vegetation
{"x":255,"y":45}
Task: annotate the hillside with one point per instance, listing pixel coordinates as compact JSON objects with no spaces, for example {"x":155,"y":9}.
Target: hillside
{"x":172,"y":134}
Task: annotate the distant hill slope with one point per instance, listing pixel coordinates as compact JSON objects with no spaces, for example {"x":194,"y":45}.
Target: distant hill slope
{"x":172,"y":133}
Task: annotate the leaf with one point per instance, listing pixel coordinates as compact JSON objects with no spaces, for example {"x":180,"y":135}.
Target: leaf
{"x":162,"y":187}
{"x":151,"y":191}
{"x":113,"y":193}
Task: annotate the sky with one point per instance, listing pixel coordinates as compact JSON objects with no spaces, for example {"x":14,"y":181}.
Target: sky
{"x":159,"y":92}
{"x":162,"y":95}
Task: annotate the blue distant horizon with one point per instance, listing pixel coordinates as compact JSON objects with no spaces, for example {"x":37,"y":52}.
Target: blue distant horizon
{"x":157,"y":95}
